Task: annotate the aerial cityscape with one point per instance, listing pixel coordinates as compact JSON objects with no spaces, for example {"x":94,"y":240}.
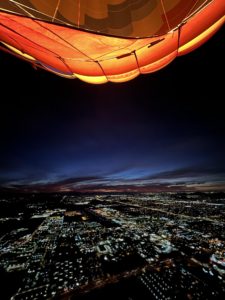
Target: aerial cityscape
{"x":113,"y":191}
{"x":112,"y":245}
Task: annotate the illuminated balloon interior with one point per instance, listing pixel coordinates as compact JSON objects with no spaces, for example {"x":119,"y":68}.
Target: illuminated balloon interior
{"x":106,"y":40}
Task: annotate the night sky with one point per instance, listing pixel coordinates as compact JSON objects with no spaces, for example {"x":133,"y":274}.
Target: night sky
{"x":159,"y":132}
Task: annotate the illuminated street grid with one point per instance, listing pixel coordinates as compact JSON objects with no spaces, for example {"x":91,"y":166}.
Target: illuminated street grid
{"x":166,"y":246}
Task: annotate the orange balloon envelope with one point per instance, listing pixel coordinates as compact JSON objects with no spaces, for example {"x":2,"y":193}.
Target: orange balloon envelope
{"x":106,"y":40}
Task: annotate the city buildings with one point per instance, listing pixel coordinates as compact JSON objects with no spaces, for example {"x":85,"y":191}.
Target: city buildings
{"x":130,"y":246}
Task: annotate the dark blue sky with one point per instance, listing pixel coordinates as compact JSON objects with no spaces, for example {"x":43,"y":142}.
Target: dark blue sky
{"x":163,"y":131}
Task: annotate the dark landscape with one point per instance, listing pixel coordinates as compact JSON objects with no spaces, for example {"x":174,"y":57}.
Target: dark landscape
{"x":112,"y":245}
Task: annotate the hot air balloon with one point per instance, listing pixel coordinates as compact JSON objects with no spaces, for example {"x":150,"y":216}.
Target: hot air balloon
{"x":106,"y":40}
